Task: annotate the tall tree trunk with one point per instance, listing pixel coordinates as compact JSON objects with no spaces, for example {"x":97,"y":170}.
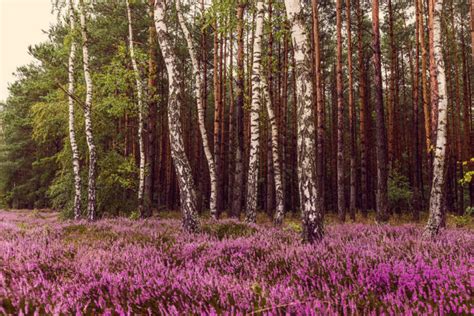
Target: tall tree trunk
{"x":76,"y":168}
{"x":381,"y":133}
{"x":363,"y":111}
{"x":181,"y":163}
{"x":433,"y":77}
{"x":270,"y":100}
{"x":341,"y":201}
{"x":308,"y":191}
{"x":424,"y":81}
{"x":239,"y":115}
{"x":91,"y":189}
{"x":198,"y":90}
{"x":472,"y":29}
{"x":352,"y":116}
{"x":436,"y":198}
{"x":319,"y":109}
{"x":144,"y":169}
{"x":152,"y":113}
{"x":391,"y":94}
{"x":255,"y":107}
{"x":415,"y":73}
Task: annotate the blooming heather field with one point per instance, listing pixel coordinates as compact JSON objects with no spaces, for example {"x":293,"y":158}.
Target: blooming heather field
{"x":151,"y":267}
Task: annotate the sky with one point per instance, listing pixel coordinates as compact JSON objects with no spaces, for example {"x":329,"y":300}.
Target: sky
{"x":21,"y":24}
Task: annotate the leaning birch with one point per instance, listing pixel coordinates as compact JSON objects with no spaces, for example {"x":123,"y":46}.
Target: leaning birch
{"x":198,"y":91}
{"x":143,"y":207}
{"x":181,"y":163}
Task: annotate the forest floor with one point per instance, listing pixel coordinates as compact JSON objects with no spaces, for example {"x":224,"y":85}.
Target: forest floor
{"x":120,"y":266}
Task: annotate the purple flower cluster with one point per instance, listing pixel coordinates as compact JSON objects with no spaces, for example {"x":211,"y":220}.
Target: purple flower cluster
{"x":122,"y":267}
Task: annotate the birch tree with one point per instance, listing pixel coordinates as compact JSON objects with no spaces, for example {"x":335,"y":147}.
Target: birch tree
{"x":436,"y":197}
{"x":76,"y":168}
{"x":252,"y":180}
{"x":181,"y":163}
{"x":312,"y":217}
{"x":91,"y":189}
{"x":142,"y":207}
{"x":198,"y":91}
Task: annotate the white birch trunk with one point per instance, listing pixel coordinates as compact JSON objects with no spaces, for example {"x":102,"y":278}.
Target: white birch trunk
{"x":312,"y":217}
{"x":279,"y":198}
{"x":91,"y":190}
{"x":198,"y":91}
{"x":143,"y":167}
{"x":436,"y":197}
{"x":252,"y":180}
{"x":181,"y":163}
{"x":72,"y":130}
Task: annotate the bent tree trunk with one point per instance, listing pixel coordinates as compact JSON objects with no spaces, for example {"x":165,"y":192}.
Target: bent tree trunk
{"x":436,"y":198}
{"x":72,"y":129}
{"x":181,"y":163}
{"x":142,"y":205}
{"x":252,"y":180}
{"x":198,"y":91}
{"x":91,"y":189}
{"x":311,"y":215}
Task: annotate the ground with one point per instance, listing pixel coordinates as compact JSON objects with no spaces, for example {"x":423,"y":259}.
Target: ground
{"x":120,"y":266}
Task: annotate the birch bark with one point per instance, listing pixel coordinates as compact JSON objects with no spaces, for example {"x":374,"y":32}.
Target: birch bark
{"x":255,"y":107}
{"x":143,"y":168}
{"x":198,"y":91}
{"x":91,"y":189}
{"x":181,"y":163}
{"x":72,"y":129}
{"x":436,"y":197}
{"x":311,"y":215}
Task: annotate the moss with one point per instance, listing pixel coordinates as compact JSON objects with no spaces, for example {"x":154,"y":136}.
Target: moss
{"x":228,"y":230}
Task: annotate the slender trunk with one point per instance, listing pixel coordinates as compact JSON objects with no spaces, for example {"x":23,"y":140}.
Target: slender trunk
{"x":381,"y":133}
{"x":72,"y":129}
{"x":472,"y":29}
{"x":144,"y":168}
{"x":436,"y":198}
{"x":415,"y":73}
{"x":308,"y":191}
{"x":319,"y":108}
{"x":433,"y":76}
{"x":91,"y":189}
{"x":198,"y":90}
{"x":255,"y":107}
{"x":239,"y":115}
{"x":352,"y":116}
{"x":363,"y":112}
{"x":266,"y":88}
{"x":181,"y":163}
{"x":341,"y":203}
{"x":424,"y":81}
{"x":391,"y":94}
{"x":152,"y":113}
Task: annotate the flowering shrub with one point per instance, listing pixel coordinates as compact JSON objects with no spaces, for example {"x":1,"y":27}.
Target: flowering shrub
{"x":121,"y":266}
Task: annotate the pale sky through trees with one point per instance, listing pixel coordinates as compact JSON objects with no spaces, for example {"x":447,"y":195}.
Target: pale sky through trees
{"x":21,"y":24}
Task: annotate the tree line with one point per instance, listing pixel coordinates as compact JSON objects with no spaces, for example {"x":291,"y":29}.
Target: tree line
{"x":237,"y":106}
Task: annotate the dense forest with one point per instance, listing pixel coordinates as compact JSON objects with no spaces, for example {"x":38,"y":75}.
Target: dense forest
{"x":236,"y":106}
{"x":233,"y":157}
